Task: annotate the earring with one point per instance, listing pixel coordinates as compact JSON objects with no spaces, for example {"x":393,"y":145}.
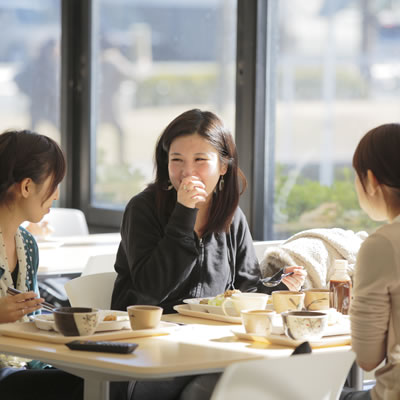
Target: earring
{"x":170,"y":186}
{"x":221,"y":183}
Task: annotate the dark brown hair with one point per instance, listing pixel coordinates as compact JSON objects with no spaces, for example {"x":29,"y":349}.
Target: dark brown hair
{"x":210,"y":127}
{"x":378,"y":151}
{"x":26,"y":154}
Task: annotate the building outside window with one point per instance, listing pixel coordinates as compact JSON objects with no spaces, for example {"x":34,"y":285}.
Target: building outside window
{"x":153,"y":60}
{"x":30,"y":66}
{"x":337,"y":69}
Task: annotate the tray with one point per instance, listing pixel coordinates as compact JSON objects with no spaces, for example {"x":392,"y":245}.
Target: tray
{"x":283,"y":340}
{"x":185,"y":309}
{"x":28,"y":330}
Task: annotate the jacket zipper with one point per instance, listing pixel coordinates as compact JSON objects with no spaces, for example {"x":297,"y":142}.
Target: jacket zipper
{"x":201,"y":259}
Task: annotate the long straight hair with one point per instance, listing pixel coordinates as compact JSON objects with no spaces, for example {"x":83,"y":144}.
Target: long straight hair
{"x":211,"y":128}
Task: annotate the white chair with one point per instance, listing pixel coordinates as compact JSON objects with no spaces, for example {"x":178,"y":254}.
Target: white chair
{"x":260,"y":247}
{"x":99,"y":263}
{"x":315,"y":376}
{"x":92,"y":290}
{"x":67,"y":222}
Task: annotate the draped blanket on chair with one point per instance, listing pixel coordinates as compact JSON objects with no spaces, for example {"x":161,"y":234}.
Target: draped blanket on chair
{"x":316,"y":250}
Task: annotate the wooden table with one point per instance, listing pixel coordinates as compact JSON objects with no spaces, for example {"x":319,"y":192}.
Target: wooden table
{"x":68,"y":255}
{"x":198,"y":347}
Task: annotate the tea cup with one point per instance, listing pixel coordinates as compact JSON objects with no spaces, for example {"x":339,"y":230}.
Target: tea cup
{"x":76,"y":321}
{"x":304,"y":325}
{"x":286,"y":300}
{"x":316,"y":299}
{"x":258,"y":322}
{"x":144,"y":317}
{"x":245,"y":301}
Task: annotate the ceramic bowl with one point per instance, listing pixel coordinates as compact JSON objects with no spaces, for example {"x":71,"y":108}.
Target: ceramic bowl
{"x":304,"y":325}
{"x":76,"y":321}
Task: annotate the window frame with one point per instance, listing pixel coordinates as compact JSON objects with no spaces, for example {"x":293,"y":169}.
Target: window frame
{"x":256,"y":149}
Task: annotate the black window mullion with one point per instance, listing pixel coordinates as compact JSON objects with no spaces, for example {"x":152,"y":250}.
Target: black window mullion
{"x":75,"y":100}
{"x":254,"y":131}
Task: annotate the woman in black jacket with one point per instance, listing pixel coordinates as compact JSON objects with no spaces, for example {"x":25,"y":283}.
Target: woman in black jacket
{"x":185,"y":236}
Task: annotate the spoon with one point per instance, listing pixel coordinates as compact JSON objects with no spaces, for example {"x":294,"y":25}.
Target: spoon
{"x":269,"y":282}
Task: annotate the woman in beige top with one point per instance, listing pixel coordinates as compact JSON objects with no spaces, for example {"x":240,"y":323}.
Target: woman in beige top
{"x":375,"y":309}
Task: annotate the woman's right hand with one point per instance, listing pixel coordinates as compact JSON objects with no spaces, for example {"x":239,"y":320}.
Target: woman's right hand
{"x":191,"y":191}
{"x":13,"y":308}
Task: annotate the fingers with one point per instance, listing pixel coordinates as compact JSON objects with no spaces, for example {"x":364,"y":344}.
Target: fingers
{"x":13,"y":308}
{"x":191,"y":191}
{"x":295,"y":281}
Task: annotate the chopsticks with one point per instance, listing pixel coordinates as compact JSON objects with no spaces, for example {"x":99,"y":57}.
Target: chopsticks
{"x":45,"y":305}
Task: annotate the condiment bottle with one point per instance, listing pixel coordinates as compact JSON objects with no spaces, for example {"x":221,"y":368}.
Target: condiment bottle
{"x":340,"y":287}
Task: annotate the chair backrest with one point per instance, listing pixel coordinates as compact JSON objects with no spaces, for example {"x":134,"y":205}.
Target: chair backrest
{"x":67,"y":222}
{"x":260,"y":247}
{"x":99,"y":263}
{"x":92,"y":290}
{"x":315,"y":376}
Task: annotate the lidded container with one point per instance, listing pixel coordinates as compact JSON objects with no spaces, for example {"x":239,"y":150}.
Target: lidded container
{"x":340,"y":287}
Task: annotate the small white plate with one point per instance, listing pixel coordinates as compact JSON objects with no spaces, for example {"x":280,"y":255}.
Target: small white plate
{"x":46,"y":321}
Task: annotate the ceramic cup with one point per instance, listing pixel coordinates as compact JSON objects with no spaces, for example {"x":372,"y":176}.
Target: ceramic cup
{"x":304,"y":325}
{"x":144,"y":317}
{"x":316,"y":299}
{"x":245,"y":301}
{"x":258,"y":322}
{"x":76,"y":321}
{"x":286,"y":300}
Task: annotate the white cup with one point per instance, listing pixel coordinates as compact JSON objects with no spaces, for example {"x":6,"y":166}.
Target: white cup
{"x":258,"y":322}
{"x":245,"y":301}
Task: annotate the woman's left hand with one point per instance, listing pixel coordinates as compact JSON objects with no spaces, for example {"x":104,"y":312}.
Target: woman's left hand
{"x":296,"y":281}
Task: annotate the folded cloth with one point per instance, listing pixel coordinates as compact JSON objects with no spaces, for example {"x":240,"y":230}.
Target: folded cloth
{"x":316,"y":250}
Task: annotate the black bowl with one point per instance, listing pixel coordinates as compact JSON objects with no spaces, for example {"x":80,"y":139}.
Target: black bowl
{"x":76,"y":321}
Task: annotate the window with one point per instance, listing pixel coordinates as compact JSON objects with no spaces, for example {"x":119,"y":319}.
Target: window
{"x":154,"y":60}
{"x":337,"y":74}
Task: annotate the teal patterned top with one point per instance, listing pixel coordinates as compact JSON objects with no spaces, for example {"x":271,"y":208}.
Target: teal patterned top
{"x":28,"y":263}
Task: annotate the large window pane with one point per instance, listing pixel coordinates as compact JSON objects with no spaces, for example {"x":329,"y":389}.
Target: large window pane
{"x":30,"y":65}
{"x":155,"y":60}
{"x":338,"y":74}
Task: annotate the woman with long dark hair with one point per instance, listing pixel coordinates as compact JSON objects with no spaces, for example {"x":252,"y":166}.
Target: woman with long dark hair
{"x":185,"y":236}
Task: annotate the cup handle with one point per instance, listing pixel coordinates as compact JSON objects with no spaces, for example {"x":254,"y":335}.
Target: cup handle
{"x":223,"y":305}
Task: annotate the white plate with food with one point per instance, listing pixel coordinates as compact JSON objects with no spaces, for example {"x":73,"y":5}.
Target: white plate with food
{"x":110,"y":320}
{"x":212,"y":305}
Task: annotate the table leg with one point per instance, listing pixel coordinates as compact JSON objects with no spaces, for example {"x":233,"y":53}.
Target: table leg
{"x":96,"y":389}
{"x":356,"y":377}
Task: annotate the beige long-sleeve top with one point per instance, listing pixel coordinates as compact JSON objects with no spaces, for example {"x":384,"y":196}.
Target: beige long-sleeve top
{"x":375,"y":308}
